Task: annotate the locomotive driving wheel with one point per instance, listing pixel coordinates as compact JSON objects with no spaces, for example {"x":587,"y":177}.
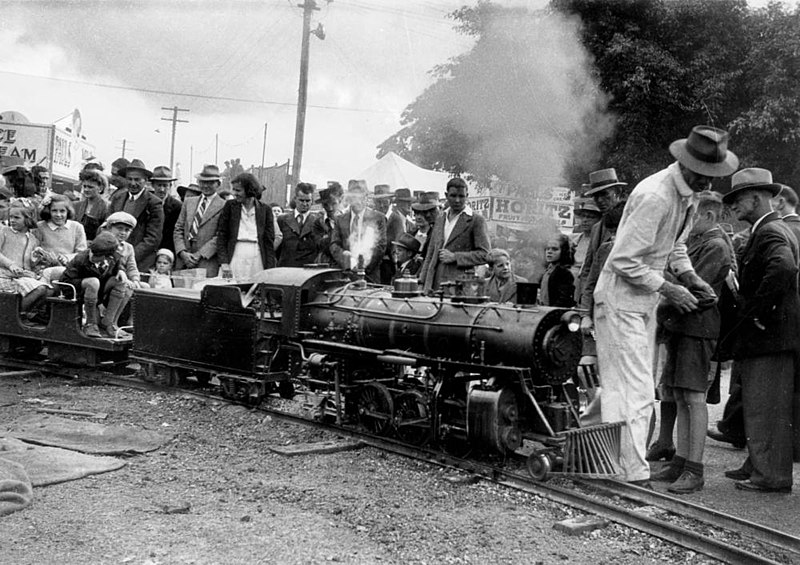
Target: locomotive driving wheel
{"x":375,"y":408}
{"x":412,"y":423}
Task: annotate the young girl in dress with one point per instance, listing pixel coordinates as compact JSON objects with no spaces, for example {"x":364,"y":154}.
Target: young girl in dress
{"x":16,"y":257}
{"x":160,"y":277}
{"x":558,"y":283}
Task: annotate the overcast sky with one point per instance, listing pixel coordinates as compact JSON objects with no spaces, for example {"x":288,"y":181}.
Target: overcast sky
{"x":374,"y":60}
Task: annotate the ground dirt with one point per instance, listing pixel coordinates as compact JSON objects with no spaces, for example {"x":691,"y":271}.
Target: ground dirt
{"x":215,"y":493}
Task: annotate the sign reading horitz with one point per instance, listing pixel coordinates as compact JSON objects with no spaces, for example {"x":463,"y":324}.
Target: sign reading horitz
{"x":551,"y":202}
{"x":61,"y":150}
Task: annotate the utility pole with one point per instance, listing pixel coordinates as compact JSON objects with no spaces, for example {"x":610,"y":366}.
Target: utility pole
{"x":216,"y":149}
{"x":263,"y":154}
{"x":302,"y":93}
{"x":174,"y":119}
{"x":124,"y":146}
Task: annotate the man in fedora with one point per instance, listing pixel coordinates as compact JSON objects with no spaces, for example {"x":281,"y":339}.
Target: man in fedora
{"x":145,"y":207}
{"x":402,"y":203}
{"x":603,"y":192}
{"x":587,"y":215}
{"x":359,"y":232}
{"x":459,"y":240}
{"x":426,"y":212}
{"x":330,"y":198}
{"x":651,"y":237}
{"x":191,"y":190}
{"x":395,"y":227}
{"x":298,"y":246}
{"x":161,"y":181}
{"x":766,"y":336}
{"x":195,"y":234}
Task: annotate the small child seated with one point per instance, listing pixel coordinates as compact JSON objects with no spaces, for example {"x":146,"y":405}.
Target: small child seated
{"x":97,"y":277}
{"x":17,"y":243}
{"x":161,"y":276}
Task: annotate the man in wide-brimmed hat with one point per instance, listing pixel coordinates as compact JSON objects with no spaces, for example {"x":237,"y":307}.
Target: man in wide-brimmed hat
{"x":145,"y":207}
{"x":766,"y":345}
{"x":651,"y":237}
{"x":359,"y":234}
{"x":161,"y":181}
{"x":195,"y":236}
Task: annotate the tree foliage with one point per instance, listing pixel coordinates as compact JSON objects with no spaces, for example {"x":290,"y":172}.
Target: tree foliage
{"x":663,"y":66}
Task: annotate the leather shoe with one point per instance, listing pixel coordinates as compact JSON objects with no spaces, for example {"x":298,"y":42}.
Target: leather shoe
{"x":687,"y":483}
{"x":717,"y":435}
{"x":667,"y":474}
{"x":754,"y":487}
{"x":737,"y":475}
{"x":91,"y":330}
{"x":658,"y":451}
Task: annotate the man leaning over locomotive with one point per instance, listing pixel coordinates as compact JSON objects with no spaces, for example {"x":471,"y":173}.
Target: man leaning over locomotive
{"x":651,"y":236}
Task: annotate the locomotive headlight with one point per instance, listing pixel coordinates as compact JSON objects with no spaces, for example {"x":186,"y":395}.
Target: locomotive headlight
{"x":572,"y":320}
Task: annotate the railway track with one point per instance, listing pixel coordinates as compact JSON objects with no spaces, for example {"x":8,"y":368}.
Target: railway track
{"x":705,"y":531}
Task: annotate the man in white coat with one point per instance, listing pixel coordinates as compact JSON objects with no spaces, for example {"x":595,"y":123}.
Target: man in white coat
{"x":651,"y":237}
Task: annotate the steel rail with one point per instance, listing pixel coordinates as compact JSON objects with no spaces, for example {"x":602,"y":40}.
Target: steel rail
{"x":666,"y":531}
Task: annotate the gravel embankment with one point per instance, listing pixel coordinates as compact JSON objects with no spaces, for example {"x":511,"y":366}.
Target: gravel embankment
{"x":216,"y":494}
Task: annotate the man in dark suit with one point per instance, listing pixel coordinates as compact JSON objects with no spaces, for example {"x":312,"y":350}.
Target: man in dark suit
{"x":359,"y":232}
{"x":785,"y":204}
{"x":161,"y":181}
{"x":298,"y":246}
{"x":143,"y":205}
{"x":766,"y":336}
{"x":395,"y":227}
{"x":405,"y":252}
{"x":459,"y":240}
{"x":330,"y":198}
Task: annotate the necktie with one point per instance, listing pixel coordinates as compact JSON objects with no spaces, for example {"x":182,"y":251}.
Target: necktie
{"x":300,"y":221}
{"x":354,"y":227}
{"x":198,"y":216}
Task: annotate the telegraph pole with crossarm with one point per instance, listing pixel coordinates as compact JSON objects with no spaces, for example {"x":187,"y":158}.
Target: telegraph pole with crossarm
{"x":174,"y":119}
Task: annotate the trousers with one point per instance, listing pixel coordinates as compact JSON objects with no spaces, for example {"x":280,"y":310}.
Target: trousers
{"x":767,"y":385}
{"x":625,"y":354}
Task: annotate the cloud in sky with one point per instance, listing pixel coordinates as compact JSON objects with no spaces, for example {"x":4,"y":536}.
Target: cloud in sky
{"x":374,"y":61}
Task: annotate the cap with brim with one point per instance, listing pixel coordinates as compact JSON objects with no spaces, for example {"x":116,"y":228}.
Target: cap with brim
{"x":602,"y":180}
{"x":382,"y":192}
{"x":751,"y":179}
{"x":121,"y":218}
{"x":408,"y":241}
{"x":705,"y":152}
{"x":586,"y":205}
{"x":403,"y":195}
{"x":166,"y":253}
{"x":135,"y":165}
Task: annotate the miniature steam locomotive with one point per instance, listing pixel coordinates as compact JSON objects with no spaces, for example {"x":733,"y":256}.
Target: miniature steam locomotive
{"x":436,"y":369}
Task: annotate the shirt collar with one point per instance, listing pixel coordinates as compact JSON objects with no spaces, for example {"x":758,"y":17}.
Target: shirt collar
{"x":467,"y":210}
{"x":137,"y":196}
{"x":54,"y":227}
{"x":758,"y":221}
{"x":683,"y":189}
{"x":298,"y":214}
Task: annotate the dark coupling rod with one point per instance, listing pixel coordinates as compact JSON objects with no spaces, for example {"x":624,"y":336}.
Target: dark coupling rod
{"x":397,"y":360}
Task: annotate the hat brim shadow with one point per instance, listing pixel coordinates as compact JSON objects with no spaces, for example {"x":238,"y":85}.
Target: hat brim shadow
{"x":773,"y":188}
{"x":597,"y":189}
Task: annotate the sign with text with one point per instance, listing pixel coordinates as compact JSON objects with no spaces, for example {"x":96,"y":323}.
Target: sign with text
{"x":69,"y":154}
{"x":481,"y":205}
{"x":29,"y":142}
{"x":528,"y":211}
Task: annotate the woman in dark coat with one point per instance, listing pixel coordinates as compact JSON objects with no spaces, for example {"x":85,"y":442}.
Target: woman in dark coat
{"x":245,"y":232}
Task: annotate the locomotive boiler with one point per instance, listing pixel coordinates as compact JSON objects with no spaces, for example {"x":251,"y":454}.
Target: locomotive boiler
{"x":442,"y":370}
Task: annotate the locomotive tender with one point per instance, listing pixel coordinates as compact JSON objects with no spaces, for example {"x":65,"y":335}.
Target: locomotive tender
{"x":454,"y":370}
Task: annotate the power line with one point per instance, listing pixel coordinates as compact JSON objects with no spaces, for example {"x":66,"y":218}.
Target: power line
{"x":190,"y":95}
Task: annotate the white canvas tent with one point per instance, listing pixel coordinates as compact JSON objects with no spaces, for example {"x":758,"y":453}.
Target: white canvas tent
{"x":395,"y":171}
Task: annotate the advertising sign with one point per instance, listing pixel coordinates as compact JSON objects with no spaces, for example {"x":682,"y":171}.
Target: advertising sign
{"x":29,"y":142}
{"x":481,"y":205}
{"x":69,"y":154}
{"x":555,"y":203}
